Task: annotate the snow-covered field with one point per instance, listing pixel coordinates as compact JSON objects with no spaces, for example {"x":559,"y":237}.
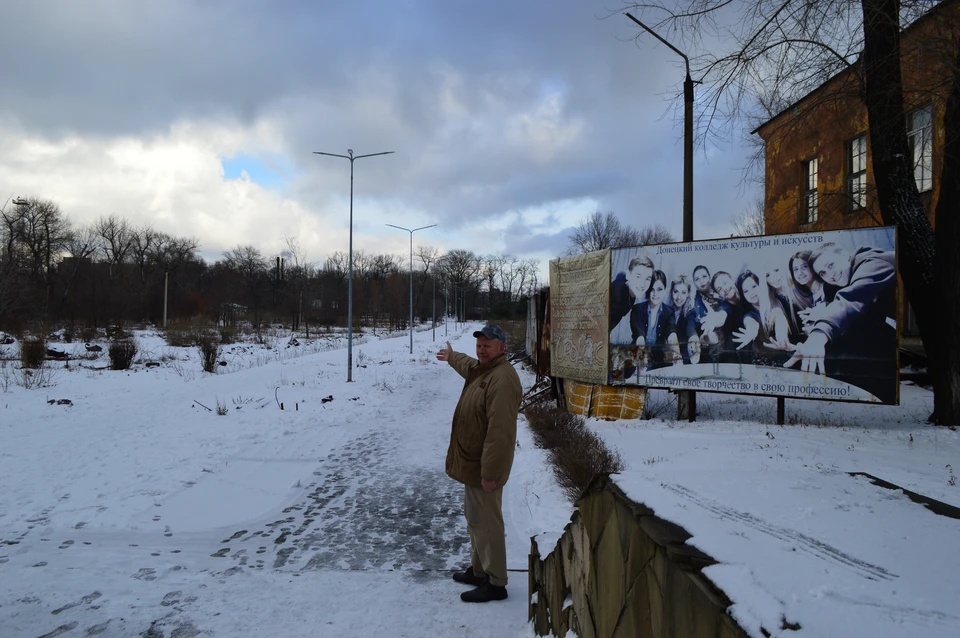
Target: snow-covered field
{"x":798,"y":539}
{"x":137,"y":509}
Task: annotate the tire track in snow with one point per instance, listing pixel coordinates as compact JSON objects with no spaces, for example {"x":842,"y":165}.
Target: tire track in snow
{"x":807,"y":543}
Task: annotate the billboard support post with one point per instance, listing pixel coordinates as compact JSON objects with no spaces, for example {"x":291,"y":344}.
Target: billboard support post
{"x":687,"y":399}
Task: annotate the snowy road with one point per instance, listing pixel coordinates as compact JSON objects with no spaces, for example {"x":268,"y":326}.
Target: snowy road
{"x":148,"y":515}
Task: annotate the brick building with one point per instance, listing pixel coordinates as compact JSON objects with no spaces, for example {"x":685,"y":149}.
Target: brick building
{"x":818,"y":172}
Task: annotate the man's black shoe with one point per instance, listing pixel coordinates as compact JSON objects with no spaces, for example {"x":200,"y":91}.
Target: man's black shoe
{"x":484,"y":593}
{"x":467,"y":577}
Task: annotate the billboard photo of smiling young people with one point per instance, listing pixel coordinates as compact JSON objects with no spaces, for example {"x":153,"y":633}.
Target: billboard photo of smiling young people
{"x":807,"y":315}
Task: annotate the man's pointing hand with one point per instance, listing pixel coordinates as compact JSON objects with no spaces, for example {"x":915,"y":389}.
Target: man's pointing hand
{"x":444,"y":354}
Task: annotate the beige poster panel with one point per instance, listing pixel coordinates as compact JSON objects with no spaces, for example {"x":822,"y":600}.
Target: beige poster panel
{"x":580,"y":307}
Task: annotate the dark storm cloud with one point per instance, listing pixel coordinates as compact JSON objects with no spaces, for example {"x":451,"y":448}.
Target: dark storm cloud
{"x":491,"y":107}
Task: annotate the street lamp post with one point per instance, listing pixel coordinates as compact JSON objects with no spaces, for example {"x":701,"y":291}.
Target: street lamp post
{"x":686,"y":400}
{"x":350,"y":156}
{"x":411,"y":231}
{"x":456,"y":305}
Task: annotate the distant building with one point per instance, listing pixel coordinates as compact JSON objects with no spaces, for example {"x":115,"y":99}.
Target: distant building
{"x":818,"y":173}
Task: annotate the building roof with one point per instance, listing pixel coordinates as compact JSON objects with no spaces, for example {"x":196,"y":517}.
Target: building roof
{"x":933,"y":11}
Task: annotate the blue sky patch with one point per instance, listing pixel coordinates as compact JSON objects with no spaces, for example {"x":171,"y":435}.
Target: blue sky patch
{"x":269,"y":171}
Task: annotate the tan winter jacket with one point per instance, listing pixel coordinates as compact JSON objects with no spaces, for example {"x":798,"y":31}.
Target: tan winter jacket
{"x":484,"y":432}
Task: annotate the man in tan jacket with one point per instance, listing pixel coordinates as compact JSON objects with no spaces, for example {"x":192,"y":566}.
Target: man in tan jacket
{"x":482,"y":441}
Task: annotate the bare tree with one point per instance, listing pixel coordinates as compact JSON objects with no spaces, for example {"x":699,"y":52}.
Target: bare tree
{"x":83,"y":244}
{"x":43,"y":232}
{"x":361,"y":263}
{"x":8,"y":262}
{"x":299,"y":276}
{"x":336,"y":265}
{"x":766,"y":54}
{"x":461,"y":269}
{"x":8,"y":233}
{"x":142,"y":242}
{"x":7,"y":291}
{"x":652,"y":235}
{"x":509,"y":275}
{"x":379,"y":267}
{"x":171,"y":253}
{"x":298,"y":256}
{"x":749,"y":221}
{"x":604,"y":230}
{"x":333,"y":289}
{"x":247,"y":261}
{"x":461,"y":266}
{"x":117,"y":239}
{"x":251,"y":267}
{"x":171,"y":257}
{"x":489,"y":272}
{"x":529,"y":278}
{"x":427,"y":255}
{"x":372,"y":270}
{"x":598,"y":232}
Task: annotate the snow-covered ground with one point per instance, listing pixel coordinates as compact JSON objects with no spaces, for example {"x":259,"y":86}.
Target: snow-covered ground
{"x":798,"y":539}
{"x":137,"y":509}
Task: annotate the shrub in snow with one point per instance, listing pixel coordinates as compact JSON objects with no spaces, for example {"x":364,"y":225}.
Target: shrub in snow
{"x":209,"y":353}
{"x":576,"y":453}
{"x":122,"y":354}
{"x":183,"y":334}
{"x":32,"y":352}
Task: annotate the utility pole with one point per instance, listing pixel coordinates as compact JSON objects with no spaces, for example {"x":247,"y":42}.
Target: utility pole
{"x":686,"y":399}
{"x":166,"y":287}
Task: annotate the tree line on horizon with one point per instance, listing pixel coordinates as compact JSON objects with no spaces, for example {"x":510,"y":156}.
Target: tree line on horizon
{"x":111,"y":272}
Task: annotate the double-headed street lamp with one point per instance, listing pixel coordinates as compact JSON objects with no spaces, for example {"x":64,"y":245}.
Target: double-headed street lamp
{"x":350,"y":156}
{"x":411,"y":231}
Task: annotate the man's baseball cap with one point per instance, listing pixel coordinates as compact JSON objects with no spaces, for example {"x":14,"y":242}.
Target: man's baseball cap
{"x":491,"y":332}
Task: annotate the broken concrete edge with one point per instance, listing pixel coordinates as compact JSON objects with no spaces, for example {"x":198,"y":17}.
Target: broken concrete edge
{"x":672,"y":537}
{"x":668,"y":535}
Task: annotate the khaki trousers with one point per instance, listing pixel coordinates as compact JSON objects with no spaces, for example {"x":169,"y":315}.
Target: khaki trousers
{"x":485,"y":524}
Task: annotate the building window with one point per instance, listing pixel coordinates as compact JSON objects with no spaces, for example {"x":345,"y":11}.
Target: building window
{"x":810,"y":197}
{"x":920,"y":143}
{"x":857,"y":172}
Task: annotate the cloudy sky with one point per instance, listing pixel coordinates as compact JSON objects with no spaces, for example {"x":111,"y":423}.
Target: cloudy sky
{"x":510,"y":122}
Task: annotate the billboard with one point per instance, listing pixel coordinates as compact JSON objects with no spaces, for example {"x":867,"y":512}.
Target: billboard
{"x":579,"y":302}
{"x":808,"y":315}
